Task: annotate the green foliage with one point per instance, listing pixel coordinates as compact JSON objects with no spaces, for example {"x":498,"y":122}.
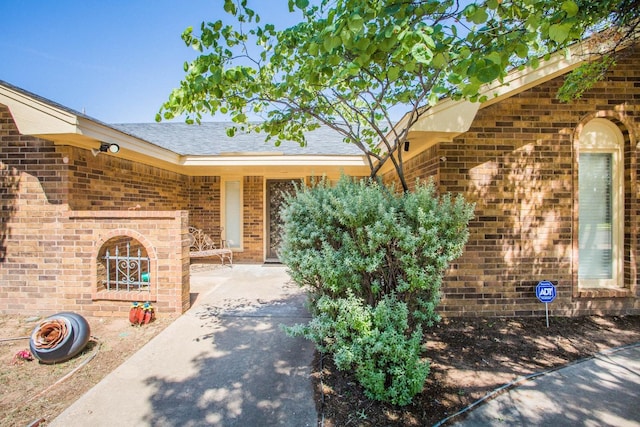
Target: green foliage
{"x":362,"y":238}
{"x":583,"y":78}
{"x":373,"y":261}
{"x":375,"y":342}
{"x":349,"y":63}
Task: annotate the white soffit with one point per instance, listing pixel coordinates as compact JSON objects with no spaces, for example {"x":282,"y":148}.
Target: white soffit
{"x":456,"y":117}
{"x":274,"y":160}
{"x":448,"y":117}
{"x":36,"y":117}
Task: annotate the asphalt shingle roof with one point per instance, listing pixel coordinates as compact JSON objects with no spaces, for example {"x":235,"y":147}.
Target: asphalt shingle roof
{"x":210,"y":138}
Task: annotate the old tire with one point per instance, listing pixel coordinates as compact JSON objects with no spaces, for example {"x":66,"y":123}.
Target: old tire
{"x":78,"y":334}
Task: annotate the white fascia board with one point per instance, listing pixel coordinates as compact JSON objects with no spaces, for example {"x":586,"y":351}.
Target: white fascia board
{"x":269,"y":160}
{"x":520,"y":80}
{"x":456,"y":117}
{"x":104,"y":133}
{"x":34,"y":116}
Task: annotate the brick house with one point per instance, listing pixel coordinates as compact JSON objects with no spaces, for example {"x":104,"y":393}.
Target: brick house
{"x":516,"y":156}
{"x":65,"y":202}
{"x":555,"y":187}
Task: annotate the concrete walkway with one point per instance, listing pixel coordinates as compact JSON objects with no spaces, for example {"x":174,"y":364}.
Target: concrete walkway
{"x":602,"y":391}
{"x":226,"y":362}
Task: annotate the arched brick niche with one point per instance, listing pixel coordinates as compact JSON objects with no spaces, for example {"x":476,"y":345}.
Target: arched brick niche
{"x":126,"y":267}
{"x":161,"y":236}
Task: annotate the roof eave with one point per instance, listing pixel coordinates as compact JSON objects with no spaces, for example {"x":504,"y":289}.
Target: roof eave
{"x":35,"y":116}
{"x":452,"y":118}
{"x":276,"y":166}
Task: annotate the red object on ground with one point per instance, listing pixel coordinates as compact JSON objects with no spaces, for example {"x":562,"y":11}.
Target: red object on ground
{"x":140,"y":316}
{"x":133,"y":313}
{"x":149,"y":313}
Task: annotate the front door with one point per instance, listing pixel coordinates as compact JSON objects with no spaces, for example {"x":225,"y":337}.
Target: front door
{"x":276,"y":191}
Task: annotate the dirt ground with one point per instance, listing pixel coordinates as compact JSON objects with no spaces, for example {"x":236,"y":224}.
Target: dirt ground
{"x":469,"y":358}
{"x":32,"y":392}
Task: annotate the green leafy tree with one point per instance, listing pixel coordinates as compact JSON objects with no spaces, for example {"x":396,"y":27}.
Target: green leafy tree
{"x":373,"y":259}
{"x":349,"y":64}
{"x":612,"y":33}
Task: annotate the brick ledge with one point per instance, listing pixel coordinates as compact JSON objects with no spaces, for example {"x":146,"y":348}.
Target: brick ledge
{"x":605,"y":293}
{"x":140,"y":296}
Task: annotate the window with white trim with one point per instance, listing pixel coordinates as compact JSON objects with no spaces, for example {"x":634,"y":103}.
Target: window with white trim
{"x":232,"y":213}
{"x":601,"y":206}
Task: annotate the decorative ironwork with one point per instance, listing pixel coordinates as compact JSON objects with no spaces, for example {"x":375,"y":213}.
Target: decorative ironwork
{"x":127,"y":272}
{"x":277,"y":190}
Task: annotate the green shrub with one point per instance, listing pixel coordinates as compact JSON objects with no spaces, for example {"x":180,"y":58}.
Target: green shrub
{"x":373,"y":342}
{"x":373,"y":261}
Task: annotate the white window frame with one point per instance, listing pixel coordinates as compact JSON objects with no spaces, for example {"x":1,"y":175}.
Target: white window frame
{"x":229,"y":234}
{"x":603,"y":136}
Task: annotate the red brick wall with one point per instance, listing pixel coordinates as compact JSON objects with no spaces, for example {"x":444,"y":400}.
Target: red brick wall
{"x":517,"y":163}
{"x":423,"y":166}
{"x":49,"y":244}
{"x":34,"y":156}
{"x":109,"y":182}
{"x":204,"y":202}
{"x":253,"y":211}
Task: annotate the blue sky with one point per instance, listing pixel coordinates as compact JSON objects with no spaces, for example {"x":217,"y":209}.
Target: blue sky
{"x":116,"y":60}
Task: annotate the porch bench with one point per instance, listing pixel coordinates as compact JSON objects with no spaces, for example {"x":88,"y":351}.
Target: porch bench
{"x":201,"y":245}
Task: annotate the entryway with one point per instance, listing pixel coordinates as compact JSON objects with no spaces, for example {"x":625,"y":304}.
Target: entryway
{"x":277,"y":189}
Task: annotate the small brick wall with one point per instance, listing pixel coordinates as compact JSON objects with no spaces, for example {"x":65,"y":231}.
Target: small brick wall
{"x":51,"y":252}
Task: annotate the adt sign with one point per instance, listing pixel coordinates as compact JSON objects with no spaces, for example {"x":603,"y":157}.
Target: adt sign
{"x":545,"y":291}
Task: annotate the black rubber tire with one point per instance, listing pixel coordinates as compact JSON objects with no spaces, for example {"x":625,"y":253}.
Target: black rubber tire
{"x":78,"y":334}
{"x":81,"y":332}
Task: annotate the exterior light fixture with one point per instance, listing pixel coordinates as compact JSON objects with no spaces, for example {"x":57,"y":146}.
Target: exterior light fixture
{"x":106,"y":147}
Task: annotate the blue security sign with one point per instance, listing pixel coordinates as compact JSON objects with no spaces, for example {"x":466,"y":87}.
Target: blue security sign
{"x":545,"y":291}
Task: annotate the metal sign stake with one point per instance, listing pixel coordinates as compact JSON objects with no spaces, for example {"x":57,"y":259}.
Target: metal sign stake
{"x":546,"y":309}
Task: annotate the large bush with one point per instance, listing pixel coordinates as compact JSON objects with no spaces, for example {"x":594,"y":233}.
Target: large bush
{"x":373,"y":261}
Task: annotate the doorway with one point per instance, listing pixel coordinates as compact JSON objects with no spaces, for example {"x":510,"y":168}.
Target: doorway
{"x":277,"y":189}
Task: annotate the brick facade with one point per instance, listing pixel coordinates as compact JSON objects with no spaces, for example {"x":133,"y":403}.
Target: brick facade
{"x":108,"y":182}
{"x":253,"y":211}
{"x":518,"y":164}
{"x":62,"y":207}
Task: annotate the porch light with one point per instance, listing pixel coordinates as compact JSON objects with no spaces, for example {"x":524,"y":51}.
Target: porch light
{"x":106,"y":147}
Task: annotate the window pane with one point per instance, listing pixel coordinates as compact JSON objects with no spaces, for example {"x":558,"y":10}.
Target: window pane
{"x":595,"y":238}
{"x":232,"y":213}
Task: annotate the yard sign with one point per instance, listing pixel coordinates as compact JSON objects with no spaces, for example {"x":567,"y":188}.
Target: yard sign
{"x":546,"y":292}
